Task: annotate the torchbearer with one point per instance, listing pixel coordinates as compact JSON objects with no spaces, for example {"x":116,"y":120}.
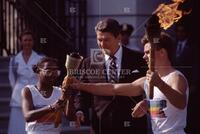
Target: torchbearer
{"x":168,"y":107}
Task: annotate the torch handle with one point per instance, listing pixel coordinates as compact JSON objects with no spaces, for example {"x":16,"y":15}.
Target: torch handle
{"x":151,"y":68}
{"x":65,"y":84}
{"x":58,"y":118}
{"x":151,"y":91}
{"x":65,"y":98}
{"x":69,"y":99}
{"x":153,"y":31}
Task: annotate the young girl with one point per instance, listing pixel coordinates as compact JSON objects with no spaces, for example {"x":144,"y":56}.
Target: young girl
{"x":40,"y":102}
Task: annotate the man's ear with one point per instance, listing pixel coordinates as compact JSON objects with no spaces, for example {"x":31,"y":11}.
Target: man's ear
{"x":119,"y":37}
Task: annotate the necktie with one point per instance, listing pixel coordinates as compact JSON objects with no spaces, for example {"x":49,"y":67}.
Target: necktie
{"x":113,"y":78}
{"x":179,"y":49}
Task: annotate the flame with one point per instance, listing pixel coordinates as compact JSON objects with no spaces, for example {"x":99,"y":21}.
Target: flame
{"x":169,"y":13}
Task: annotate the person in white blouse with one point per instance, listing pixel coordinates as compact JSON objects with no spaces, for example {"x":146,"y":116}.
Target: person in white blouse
{"x":21,"y":74}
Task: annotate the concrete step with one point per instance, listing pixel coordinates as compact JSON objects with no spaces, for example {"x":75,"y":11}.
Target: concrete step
{"x":3,"y":131}
{"x":5,"y":90}
{"x":5,"y":105}
{"x":4,"y":119}
{"x":4,"y":76}
{"x":5,"y":93}
{"x":4,"y":62}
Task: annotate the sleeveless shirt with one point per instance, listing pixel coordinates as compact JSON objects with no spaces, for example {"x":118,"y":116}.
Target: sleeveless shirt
{"x":174,"y":120}
{"x":46,"y":123}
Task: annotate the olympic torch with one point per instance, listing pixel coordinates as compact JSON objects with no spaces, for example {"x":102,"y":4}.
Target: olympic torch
{"x":72,"y":63}
{"x":153,"y":33}
{"x":163,"y":17}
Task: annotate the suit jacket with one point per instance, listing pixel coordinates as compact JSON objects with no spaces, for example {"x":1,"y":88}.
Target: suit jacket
{"x":113,"y":114}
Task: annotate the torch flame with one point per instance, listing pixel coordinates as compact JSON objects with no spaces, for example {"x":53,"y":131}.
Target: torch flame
{"x":169,"y":13}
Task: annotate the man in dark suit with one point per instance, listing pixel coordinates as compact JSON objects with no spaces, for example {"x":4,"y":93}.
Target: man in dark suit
{"x":111,"y":114}
{"x":184,"y":55}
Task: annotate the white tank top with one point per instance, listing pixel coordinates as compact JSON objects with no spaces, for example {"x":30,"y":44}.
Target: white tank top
{"x":46,"y":123}
{"x":174,"y":121}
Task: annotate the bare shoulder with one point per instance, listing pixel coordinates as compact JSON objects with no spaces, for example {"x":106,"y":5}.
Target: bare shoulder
{"x":178,"y":77}
{"x":26,"y":92}
{"x":178,"y":81}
